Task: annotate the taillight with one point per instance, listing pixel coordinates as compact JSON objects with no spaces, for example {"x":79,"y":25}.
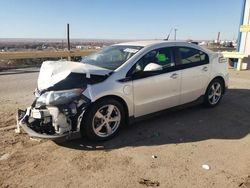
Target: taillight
{"x":222,"y":60}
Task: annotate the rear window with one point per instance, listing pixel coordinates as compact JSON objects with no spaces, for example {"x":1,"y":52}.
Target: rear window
{"x":192,"y":56}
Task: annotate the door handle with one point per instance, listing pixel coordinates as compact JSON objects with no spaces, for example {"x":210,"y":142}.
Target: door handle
{"x":205,"y":69}
{"x":174,"y":76}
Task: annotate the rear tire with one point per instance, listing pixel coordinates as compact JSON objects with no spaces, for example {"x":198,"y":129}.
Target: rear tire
{"x":103,"y":120}
{"x":214,"y":93}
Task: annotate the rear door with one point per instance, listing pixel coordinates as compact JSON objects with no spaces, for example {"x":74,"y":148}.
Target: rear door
{"x":195,"y":70}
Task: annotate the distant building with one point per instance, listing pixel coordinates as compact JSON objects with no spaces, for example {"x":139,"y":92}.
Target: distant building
{"x":82,"y":47}
{"x":97,"y":47}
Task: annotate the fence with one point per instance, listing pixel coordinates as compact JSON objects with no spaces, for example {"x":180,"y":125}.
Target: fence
{"x":44,"y":54}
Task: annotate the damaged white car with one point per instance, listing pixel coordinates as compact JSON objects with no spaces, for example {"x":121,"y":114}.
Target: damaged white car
{"x":119,"y":83}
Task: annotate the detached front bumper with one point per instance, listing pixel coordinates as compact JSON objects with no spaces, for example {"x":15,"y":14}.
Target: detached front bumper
{"x":32,"y":133}
{"x":23,"y":122}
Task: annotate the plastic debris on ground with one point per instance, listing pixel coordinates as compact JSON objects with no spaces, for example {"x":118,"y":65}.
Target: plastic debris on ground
{"x":35,"y":139}
{"x":4,"y":157}
{"x":206,"y":167}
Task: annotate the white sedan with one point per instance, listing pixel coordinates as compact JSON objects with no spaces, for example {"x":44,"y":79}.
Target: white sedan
{"x":120,"y":83}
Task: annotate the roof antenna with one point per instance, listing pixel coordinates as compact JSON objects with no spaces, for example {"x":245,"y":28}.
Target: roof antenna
{"x":169,"y":34}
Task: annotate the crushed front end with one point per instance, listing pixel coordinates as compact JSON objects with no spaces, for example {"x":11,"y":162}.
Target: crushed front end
{"x":61,"y":99}
{"x":54,"y":114}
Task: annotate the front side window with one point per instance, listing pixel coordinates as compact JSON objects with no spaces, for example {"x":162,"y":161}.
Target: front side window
{"x":111,"y":57}
{"x":162,"y":57}
{"x":192,"y":56}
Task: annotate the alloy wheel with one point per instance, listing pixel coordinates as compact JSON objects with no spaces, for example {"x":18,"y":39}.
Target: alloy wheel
{"x":106,"y":120}
{"x":214,"y":93}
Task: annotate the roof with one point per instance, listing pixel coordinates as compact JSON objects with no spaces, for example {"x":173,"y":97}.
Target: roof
{"x":157,"y":42}
{"x":149,"y":42}
{"x":141,"y":43}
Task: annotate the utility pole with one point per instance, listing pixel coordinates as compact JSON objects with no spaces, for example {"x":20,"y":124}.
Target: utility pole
{"x":175,"y":33}
{"x":169,"y":34}
{"x":218,"y":38}
{"x":68,"y":41}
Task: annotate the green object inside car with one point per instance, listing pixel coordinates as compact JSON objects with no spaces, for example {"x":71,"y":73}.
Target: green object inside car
{"x":161,"y":57}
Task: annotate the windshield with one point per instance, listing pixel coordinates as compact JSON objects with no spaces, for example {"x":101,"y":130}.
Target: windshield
{"x":111,"y":57}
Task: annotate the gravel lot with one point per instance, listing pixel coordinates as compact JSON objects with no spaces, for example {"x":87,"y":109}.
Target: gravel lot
{"x":181,"y":141}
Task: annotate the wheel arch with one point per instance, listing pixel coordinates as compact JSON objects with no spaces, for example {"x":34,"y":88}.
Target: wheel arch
{"x":119,"y":99}
{"x":220,"y":78}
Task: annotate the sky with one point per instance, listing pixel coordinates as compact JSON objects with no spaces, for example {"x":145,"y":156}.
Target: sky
{"x":120,"y":19}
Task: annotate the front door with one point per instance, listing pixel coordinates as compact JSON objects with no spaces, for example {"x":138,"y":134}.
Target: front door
{"x":155,"y":90}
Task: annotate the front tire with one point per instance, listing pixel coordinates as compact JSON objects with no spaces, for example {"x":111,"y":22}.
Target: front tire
{"x":103,"y":120}
{"x":214,"y":93}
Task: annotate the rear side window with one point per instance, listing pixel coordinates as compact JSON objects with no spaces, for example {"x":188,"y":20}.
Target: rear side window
{"x":192,"y":57}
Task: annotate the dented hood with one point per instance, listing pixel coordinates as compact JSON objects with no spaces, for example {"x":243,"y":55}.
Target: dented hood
{"x":54,"y":72}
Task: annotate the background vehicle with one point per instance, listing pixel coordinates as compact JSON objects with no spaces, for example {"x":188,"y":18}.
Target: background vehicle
{"x":129,"y":80}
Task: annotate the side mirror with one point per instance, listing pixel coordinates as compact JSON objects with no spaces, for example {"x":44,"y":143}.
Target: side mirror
{"x":152,"y":67}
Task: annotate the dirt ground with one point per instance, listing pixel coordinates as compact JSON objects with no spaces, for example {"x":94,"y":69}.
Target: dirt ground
{"x":180,"y":141}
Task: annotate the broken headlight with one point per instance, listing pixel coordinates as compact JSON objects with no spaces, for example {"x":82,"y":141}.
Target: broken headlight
{"x":58,"y":97}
